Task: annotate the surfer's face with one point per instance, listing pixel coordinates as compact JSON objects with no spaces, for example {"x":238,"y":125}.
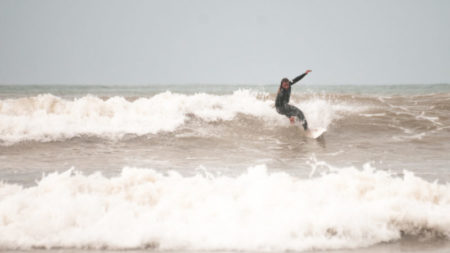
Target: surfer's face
{"x":285,"y":85}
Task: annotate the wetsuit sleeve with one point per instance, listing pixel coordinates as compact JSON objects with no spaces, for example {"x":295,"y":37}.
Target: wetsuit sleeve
{"x":298,"y":78}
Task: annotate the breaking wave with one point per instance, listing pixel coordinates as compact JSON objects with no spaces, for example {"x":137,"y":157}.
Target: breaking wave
{"x":258,"y":210}
{"x":47,"y":117}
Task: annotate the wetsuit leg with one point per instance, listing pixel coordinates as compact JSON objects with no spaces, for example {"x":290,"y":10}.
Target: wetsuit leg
{"x":294,"y":111}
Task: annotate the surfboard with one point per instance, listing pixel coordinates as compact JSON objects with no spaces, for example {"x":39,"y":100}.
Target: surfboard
{"x":315,"y":132}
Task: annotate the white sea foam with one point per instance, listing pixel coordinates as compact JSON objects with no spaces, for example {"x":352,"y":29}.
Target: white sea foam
{"x":321,"y":112}
{"x":258,"y":210}
{"x":47,"y":117}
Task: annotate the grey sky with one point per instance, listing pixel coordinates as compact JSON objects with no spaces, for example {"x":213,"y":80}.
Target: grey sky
{"x":208,"y":41}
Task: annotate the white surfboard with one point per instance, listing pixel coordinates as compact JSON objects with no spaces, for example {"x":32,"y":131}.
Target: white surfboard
{"x":315,"y":132}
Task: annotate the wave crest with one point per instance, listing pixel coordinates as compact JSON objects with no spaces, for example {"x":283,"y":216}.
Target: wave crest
{"x":47,"y":117}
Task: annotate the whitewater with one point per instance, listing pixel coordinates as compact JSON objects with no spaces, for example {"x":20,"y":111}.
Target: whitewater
{"x":192,"y":168}
{"x":140,"y":208}
{"x":47,"y":117}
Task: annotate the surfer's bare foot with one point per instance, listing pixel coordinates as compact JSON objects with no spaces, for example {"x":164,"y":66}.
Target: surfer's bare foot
{"x":292,"y":119}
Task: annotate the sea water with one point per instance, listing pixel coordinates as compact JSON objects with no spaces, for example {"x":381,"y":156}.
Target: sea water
{"x":216,"y":168}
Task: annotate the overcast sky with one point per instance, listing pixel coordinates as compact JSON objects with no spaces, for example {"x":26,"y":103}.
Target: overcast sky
{"x":224,"y":42}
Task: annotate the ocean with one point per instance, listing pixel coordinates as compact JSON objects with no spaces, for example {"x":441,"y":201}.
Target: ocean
{"x":214,"y":168}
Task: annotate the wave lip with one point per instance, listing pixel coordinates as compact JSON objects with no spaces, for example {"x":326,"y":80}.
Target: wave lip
{"x":258,"y":210}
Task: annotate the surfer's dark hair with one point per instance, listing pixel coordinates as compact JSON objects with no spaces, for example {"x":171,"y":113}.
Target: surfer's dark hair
{"x":281,"y":83}
{"x":284,"y":80}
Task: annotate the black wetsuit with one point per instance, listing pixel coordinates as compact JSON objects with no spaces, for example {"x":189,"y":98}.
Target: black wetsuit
{"x":283,"y":106}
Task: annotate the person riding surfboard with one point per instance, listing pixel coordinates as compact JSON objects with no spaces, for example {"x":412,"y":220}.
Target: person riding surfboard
{"x":282,"y":101}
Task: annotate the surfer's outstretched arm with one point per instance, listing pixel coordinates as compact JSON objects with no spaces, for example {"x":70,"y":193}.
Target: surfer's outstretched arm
{"x":300,"y":77}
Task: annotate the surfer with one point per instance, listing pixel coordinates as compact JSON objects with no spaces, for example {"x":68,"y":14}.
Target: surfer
{"x":282,"y":101}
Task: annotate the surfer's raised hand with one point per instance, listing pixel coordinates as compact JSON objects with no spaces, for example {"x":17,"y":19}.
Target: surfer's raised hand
{"x":307,"y":71}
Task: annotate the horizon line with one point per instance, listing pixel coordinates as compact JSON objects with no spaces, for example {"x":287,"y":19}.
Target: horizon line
{"x":212,"y":84}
